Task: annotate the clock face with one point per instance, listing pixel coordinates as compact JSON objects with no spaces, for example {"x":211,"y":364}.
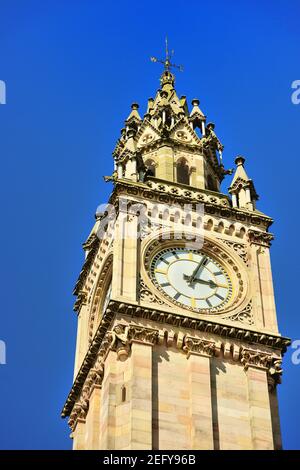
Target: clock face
{"x":191,"y":278}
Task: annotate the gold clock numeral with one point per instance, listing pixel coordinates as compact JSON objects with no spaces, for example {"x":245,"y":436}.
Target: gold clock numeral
{"x":161,"y":271}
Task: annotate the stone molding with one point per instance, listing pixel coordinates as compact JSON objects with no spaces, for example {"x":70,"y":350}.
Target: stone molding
{"x":260,"y":238}
{"x":122,"y":336}
{"x":239,"y":248}
{"x":200,"y":347}
{"x":245,"y":316}
{"x":160,"y":191}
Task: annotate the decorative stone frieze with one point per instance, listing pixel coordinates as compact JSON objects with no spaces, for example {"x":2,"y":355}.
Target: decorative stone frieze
{"x":260,"y":238}
{"x":121,"y":337}
{"x":245,"y":316}
{"x":239,"y":248}
{"x":198,"y":346}
{"x":215,"y":203}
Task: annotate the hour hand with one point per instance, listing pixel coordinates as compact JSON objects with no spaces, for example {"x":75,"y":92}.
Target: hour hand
{"x":210,"y":283}
{"x":200,"y":281}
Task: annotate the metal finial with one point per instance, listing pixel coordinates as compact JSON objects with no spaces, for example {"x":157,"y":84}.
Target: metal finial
{"x":167,"y":62}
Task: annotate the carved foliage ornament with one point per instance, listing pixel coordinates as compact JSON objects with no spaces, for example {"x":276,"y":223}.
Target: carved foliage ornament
{"x":122,"y":336}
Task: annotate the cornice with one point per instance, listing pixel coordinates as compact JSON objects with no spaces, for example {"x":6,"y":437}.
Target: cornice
{"x":227,"y":333}
{"x":215,"y":203}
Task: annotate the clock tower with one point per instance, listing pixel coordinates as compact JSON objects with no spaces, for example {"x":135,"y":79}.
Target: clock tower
{"x":178,"y":345}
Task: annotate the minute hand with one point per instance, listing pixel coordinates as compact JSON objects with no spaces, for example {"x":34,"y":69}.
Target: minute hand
{"x":196,"y":270}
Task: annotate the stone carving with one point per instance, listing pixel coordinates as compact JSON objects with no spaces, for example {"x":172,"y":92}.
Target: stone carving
{"x":147,"y":229}
{"x":239,"y":248}
{"x":275,"y":373}
{"x":120,"y":341}
{"x":154,"y":189}
{"x":92,"y":368}
{"x":198,"y":346}
{"x":245,"y":316}
{"x":251,"y":357}
{"x":260,"y":238}
{"x":259,"y":359}
{"x":147,"y":296}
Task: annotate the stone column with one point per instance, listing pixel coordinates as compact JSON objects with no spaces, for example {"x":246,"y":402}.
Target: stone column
{"x":234,"y":200}
{"x":118,"y":254}
{"x":108,"y":404}
{"x":199,"y":353}
{"x":165,"y":169}
{"x":201,"y":406}
{"x":266,"y":281}
{"x":93,"y":419}
{"x":200,"y":172}
{"x":259,"y":402}
{"x":120,"y":170}
{"x":261,"y":274}
{"x":79,"y":435}
{"x":275,"y":417}
{"x":193,"y":177}
{"x":257,"y":304}
{"x":141,"y":396}
{"x":125,"y":260}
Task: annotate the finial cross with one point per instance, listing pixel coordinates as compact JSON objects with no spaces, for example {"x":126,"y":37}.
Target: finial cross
{"x":167,"y":62}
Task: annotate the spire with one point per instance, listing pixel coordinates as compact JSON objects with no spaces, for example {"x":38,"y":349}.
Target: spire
{"x":167,"y":78}
{"x":242,"y":188}
{"x":197,"y":118}
{"x":134,"y":116}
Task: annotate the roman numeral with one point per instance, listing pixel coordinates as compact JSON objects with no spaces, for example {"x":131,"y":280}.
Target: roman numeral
{"x":208,"y":303}
{"x":219,"y":296}
{"x":218,"y":273}
{"x":165,"y":284}
{"x":177,"y":295}
{"x":175,"y":254}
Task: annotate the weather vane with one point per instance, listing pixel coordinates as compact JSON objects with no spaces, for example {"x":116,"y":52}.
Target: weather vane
{"x":167,"y":62}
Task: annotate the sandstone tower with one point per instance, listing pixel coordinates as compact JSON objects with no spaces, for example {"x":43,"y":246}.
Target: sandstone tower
{"x":178,"y":345}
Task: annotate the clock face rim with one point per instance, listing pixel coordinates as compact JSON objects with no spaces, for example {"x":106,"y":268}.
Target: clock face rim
{"x":219,"y":308}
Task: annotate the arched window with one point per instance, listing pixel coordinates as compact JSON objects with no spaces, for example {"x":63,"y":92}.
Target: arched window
{"x":211,"y":183}
{"x":150,"y":165}
{"x":182,"y":171}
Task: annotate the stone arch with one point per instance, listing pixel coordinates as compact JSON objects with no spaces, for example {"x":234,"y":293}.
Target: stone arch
{"x":209,"y":224}
{"x":151,"y":167}
{"x":182,"y":171}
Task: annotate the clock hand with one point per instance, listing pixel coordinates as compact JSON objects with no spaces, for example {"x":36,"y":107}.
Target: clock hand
{"x":201,"y":281}
{"x":196,"y":270}
{"x":211,"y":283}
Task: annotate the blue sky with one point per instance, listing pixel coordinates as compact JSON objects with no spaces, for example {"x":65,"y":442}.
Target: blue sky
{"x":72,"y":69}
